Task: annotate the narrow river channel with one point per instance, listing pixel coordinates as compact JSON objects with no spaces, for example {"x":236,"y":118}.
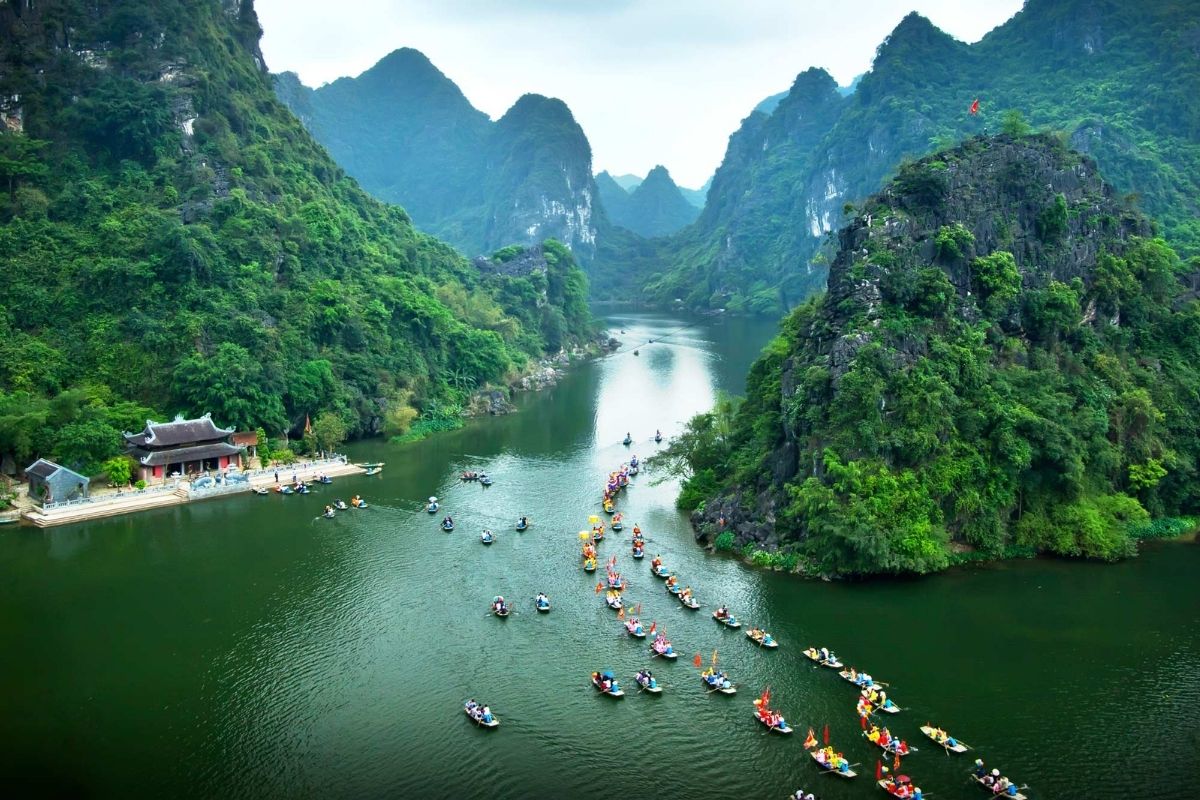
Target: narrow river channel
{"x":245,"y":648}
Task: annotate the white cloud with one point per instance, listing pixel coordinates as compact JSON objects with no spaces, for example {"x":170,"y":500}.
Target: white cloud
{"x":650,"y":81}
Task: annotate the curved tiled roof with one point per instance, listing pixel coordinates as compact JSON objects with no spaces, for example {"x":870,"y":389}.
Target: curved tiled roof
{"x":178,"y":455}
{"x":180,"y":431}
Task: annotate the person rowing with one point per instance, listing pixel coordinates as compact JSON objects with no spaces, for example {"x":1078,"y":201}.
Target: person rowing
{"x":658,"y":436}
{"x":662,"y":646}
{"x":499,"y":606}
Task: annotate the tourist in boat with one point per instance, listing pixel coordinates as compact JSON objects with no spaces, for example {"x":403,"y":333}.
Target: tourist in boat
{"x":658,"y":436}
{"x":662,"y":645}
{"x":722,"y":613}
{"x":523,"y":522}
{"x":634,"y":626}
{"x":542,"y":600}
{"x":979,"y":770}
{"x":485,"y":715}
{"x":646,"y":679}
{"x":499,"y":606}
{"x":448,"y":522}
{"x":655,"y":563}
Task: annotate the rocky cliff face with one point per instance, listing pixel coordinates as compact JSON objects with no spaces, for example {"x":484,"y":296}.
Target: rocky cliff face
{"x":968,"y":379}
{"x":410,"y":137}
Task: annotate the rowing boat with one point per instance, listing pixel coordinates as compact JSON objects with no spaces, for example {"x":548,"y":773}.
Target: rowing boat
{"x":673,"y":588}
{"x":645,"y":684}
{"x":729,"y":620}
{"x":775,"y":728}
{"x":853,"y":678}
{"x":849,"y":773}
{"x":613,"y":600}
{"x":891,"y":787}
{"x":985,"y":787}
{"x":830,"y":662}
{"x":373,"y":471}
{"x":447,"y":526}
{"x":542,"y":608}
{"x":957,"y":747}
{"x":634,"y":626}
{"x":890,"y":747}
{"x":662,"y":572}
{"x":761,"y":638}
{"x":724,"y":688}
{"x":486,"y":537}
{"x":664,"y":653}
{"x":611,"y":693}
{"x":495,"y":723}
{"x":501,"y":612}
{"x":639,"y":552}
{"x":589,"y":565}
{"x":689,"y":602}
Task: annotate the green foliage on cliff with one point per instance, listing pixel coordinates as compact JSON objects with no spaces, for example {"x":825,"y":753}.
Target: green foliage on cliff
{"x":1116,"y":79}
{"x":172,"y":239}
{"x":1026,"y":397}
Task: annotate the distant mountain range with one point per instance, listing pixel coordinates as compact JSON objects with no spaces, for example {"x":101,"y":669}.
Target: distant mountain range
{"x":410,"y":136}
{"x":1115,"y":80}
{"x":655,"y":207}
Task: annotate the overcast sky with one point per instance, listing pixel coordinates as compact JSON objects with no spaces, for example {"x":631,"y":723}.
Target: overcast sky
{"x":651,"y":81}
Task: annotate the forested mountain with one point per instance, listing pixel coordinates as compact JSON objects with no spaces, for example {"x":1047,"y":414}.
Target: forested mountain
{"x":655,"y":207}
{"x":1006,"y":360}
{"x":173,"y":239}
{"x":1116,"y":79}
{"x":409,"y":136}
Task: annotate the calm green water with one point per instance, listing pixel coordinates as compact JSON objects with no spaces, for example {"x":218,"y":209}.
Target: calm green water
{"x":243,"y":649}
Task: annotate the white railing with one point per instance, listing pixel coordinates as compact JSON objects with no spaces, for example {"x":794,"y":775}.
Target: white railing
{"x":122,"y":495}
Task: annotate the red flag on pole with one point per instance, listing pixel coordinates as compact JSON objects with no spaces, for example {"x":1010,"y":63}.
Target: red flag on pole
{"x":638,"y":611}
{"x":620,"y":613}
{"x":653,"y":627}
{"x":811,"y":740}
{"x":863,"y":720}
{"x":825,"y":735}
{"x":975,"y":106}
{"x":599,"y":587}
{"x":878,"y":770}
{"x":896,"y":762}
{"x":697,"y":661}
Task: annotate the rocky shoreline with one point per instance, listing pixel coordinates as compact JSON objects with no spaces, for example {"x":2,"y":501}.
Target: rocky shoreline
{"x":543,"y":374}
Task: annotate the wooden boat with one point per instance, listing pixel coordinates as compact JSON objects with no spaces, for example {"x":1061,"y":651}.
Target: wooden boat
{"x":501,"y":612}
{"x":646,"y":687}
{"x":635,"y":628}
{"x":258,"y":490}
{"x":1018,"y":796}
{"x":847,"y":676}
{"x":815,"y":655}
{"x":597,"y":536}
{"x":661,"y":572}
{"x":890,"y":787}
{"x":627,"y":441}
{"x":485,"y":481}
{"x":824,"y":765}
{"x":596,"y":682}
{"x":432,"y":508}
{"x":543,"y":608}
{"x":658,"y":437}
{"x":671,"y":656}
{"x":689,"y":602}
{"x":760,"y":638}
{"x":495,"y":723}
{"x":890,"y":708}
{"x":340,"y":505}
{"x":522,"y":526}
{"x":487,"y":537}
{"x":617,"y":525}
{"x":610,"y":509}
{"x":958,"y":747}
{"x":674,"y":588}
{"x":613,"y":601}
{"x":360,"y":504}
{"x":786,"y":729}
{"x":890,"y":747}
{"x":729,"y":622}
{"x":285,"y":490}
{"x":730,"y":689}
{"x":589,"y":565}
{"x":373,"y":470}
{"x":447,"y":526}
{"x":639,"y":552}
{"x":328,"y":514}
{"x":325,"y":479}
{"x":619,"y":586}
{"x":372,"y":465}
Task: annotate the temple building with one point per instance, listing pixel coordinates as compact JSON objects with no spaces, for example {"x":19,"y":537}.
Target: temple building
{"x":182,"y":447}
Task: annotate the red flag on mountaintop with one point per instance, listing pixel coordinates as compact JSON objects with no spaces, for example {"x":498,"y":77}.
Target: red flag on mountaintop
{"x":697,"y":661}
{"x":825,"y":736}
{"x":974,"y":107}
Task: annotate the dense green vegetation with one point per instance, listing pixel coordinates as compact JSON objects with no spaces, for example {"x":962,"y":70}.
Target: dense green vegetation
{"x":173,"y":240}
{"x":1118,"y":79}
{"x":1006,"y":361}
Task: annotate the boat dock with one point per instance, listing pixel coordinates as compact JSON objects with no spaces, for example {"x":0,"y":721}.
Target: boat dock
{"x":181,"y":491}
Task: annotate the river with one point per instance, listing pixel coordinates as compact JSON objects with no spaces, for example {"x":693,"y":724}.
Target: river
{"x":244,"y":648}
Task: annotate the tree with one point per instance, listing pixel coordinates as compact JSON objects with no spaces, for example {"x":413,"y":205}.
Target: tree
{"x":1013,"y":124}
{"x":231,"y":385}
{"x":263,"y":446}
{"x":329,"y":430}
{"x":118,"y":470}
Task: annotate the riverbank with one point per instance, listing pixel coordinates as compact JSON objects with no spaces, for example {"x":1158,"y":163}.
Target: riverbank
{"x":182,"y":491}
